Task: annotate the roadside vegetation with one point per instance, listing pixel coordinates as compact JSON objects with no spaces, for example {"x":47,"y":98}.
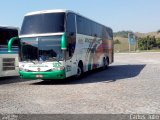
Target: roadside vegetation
{"x":145,"y":41}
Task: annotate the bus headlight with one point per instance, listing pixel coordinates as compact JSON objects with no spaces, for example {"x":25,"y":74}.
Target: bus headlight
{"x":61,"y":68}
{"x":22,"y":69}
{"x":58,"y":68}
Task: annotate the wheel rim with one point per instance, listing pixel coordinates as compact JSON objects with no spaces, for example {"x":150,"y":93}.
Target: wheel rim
{"x":79,"y":72}
{"x":104,"y":63}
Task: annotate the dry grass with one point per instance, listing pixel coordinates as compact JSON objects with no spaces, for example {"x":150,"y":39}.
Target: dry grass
{"x":123,"y":46}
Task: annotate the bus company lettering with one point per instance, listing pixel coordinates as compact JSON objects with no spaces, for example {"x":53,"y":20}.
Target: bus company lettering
{"x":38,"y":66}
{"x":89,"y":40}
{"x":68,"y":68}
{"x":80,"y":41}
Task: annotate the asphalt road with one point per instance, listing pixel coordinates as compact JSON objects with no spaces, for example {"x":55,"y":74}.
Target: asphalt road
{"x":130,"y":85}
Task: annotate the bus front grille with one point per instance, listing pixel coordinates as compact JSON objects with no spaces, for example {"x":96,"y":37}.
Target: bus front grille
{"x":8,"y":64}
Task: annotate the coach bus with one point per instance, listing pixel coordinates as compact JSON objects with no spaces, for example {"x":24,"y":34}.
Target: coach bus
{"x":8,"y":61}
{"x":56,"y":44}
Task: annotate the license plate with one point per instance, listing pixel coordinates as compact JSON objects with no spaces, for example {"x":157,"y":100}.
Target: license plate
{"x":39,"y":76}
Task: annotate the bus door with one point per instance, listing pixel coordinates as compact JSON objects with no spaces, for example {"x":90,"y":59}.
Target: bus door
{"x":71,"y":65}
{"x":71,"y":58}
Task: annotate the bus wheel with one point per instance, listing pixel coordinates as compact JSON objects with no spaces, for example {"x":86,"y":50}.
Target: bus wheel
{"x":79,"y":71}
{"x":105,"y":63}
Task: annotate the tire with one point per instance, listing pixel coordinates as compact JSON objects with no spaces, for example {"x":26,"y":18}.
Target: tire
{"x":105,"y":63}
{"x":79,"y":71}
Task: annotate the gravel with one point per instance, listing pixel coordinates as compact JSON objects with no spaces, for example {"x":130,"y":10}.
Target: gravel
{"x":130,"y":85}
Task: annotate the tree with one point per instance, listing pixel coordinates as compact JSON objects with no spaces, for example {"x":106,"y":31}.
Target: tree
{"x":117,"y":41}
{"x":158,"y":42}
{"x":142,"y":44}
{"x":147,"y":43}
{"x":123,"y":34}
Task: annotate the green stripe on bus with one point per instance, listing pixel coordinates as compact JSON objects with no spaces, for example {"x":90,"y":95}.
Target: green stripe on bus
{"x":58,"y":74}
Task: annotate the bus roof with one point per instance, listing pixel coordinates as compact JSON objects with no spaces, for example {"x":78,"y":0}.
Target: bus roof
{"x":60,"y":11}
{"x":9,"y":27}
{"x":46,"y":11}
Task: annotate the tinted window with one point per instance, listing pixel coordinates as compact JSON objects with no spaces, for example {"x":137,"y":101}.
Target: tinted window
{"x":110,"y":32}
{"x":41,"y":48}
{"x":6,"y":35}
{"x":91,"y":28}
{"x":71,"y":23}
{"x":88,"y":27}
{"x":71,"y":35}
{"x":29,"y":49}
{"x":83,"y":26}
{"x":87,"y":24}
{"x":43,"y":23}
{"x":80,"y":24}
{"x":94,"y":29}
{"x":50,"y":47}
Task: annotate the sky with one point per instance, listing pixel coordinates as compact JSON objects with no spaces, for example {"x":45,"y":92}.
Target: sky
{"x":135,"y":15}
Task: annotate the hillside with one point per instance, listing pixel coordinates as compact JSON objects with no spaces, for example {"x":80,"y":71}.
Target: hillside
{"x":122,"y":36}
{"x":156,"y":34}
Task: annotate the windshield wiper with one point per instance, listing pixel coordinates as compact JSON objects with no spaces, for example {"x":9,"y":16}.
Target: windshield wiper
{"x":34,"y":62}
{"x":55,"y":58}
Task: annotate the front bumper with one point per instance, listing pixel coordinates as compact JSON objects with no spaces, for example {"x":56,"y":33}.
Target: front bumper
{"x":56,"y":74}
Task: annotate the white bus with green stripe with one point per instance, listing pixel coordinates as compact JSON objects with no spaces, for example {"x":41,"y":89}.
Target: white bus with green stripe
{"x":56,"y":44}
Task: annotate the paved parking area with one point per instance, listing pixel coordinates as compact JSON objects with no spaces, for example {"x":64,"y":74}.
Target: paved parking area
{"x":130,"y":85}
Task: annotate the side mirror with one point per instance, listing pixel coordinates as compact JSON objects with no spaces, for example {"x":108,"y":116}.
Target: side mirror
{"x":11,"y":42}
{"x":64,"y":42}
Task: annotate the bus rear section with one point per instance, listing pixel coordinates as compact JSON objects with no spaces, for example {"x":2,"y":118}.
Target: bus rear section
{"x":8,"y":61}
{"x":8,"y":65}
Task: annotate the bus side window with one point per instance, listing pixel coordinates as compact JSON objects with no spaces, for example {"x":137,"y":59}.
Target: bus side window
{"x":71,"y":44}
{"x":71,"y":35}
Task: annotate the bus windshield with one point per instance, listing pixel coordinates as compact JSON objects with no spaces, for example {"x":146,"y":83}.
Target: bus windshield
{"x":41,"y":49}
{"x":43,"y":23}
{"x":5,"y":35}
